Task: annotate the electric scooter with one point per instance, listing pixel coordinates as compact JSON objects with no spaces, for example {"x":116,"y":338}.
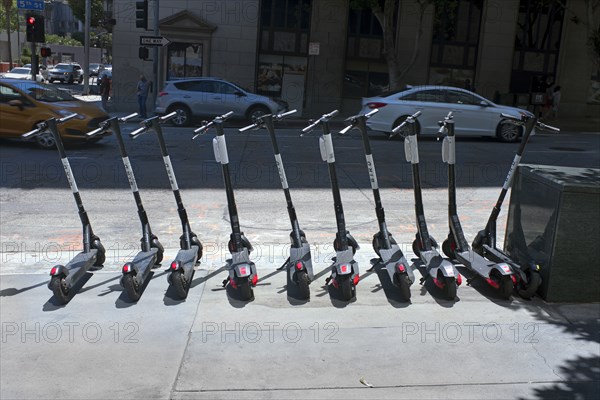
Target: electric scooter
{"x":182,"y":267}
{"x":65,"y":277}
{"x":242,"y":272}
{"x":344,"y":271}
{"x":527,"y":273}
{"x":498,"y":275}
{"x":299,"y":263}
{"x":136,"y":271}
{"x":441,"y":271}
{"x":385,"y":246}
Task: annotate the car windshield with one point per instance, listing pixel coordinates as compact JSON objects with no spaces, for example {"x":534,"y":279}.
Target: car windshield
{"x":45,"y":93}
{"x":20,"y":71}
{"x":391,"y":93}
{"x":62,"y":66}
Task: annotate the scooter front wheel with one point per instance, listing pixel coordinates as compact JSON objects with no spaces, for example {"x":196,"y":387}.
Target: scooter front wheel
{"x":245,"y":289}
{"x":131,"y":287}
{"x":180,"y":284}
{"x":303,"y":284}
{"x":154,"y":243}
{"x":449,"y":247}
{"x":60,"y":289}
{"x":528,"y":289}
{"x":101,"y":254}
{"x":403,"y":284}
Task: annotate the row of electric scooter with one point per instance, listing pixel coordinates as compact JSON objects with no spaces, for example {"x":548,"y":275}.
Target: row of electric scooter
{"x":483,"y":258}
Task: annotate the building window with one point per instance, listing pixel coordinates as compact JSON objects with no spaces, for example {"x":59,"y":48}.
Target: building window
{"x":366,"y":73}
{"x":537,"y":45}
{"x":184,"y":60}
{"x":455,"y":42}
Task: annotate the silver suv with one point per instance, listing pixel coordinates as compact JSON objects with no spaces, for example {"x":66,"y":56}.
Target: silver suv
{"x":64,"y":72}
{"x":209,"y":97}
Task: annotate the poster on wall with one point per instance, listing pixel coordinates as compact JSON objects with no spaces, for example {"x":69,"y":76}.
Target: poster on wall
{"x":269,"y":77}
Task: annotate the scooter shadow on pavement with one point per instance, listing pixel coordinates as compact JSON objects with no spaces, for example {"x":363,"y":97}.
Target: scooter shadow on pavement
{"x":485,"y":289}
{"x":123,"y":301}
{"x":9,"y":292}
{"x":391,"y":292}
{"x":52,"y":304}
{"x":429,"y":287}
{"x":172,"y":299}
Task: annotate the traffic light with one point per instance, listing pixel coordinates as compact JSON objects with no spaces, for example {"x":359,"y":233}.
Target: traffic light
{"x":45,"y":51}
{"x":141,"y":14}
{"x":143,"y":53}
{"x":35,"y":28}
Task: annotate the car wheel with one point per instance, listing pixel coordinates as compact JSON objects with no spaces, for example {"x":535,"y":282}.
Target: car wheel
{"x":183,"y":117}
{"x":404,"y":132}
{"x":256,"y":111}
{"x":45,"y":140}
{"x":507,"y":132}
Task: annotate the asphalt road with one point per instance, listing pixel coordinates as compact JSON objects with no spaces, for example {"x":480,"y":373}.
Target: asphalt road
{"x":212,"y":345}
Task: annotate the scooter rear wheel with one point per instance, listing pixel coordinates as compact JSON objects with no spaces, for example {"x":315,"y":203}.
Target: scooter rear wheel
{"x":346,"y":288}
{"x":450,"y":288}
{"x":131,"y":287}
{"x":528,"y":290}
{"x":245,"y":289}
{"x":60,"y":289}
{"x":403,"y":284}
{"x":303,"y":284}
{"x":180,"y":284}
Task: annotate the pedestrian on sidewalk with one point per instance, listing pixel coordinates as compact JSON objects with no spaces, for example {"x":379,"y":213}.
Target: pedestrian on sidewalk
{"x":555,"y":101}
{"x":105,"y":87}
{"x":143,"y":88}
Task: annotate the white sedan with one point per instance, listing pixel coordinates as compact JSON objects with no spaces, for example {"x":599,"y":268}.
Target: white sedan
{"x":473,"y":114}
{"x":22,"y":73}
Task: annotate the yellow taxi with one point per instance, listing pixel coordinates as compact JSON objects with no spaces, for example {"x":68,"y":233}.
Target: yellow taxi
{"x":23,"y":104}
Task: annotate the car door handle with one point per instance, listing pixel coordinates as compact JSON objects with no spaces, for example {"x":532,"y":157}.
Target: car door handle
{"x":186,"y":96}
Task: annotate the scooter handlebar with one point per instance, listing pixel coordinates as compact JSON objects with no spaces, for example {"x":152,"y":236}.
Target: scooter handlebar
{"x":42,"y":126}
{"x":65,"y":119}
{"x":204,"y":128}
{"x":324,"y":118}
{"x":410,"y":118}
{"x":167,"y":117}
{"x":285,"y":114}
{"x":256,"y":125}
{"x":138,"y":132}
{"x":545,"y":127}
{"x":128,"y":117}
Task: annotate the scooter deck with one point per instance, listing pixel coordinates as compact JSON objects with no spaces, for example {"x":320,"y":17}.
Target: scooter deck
{"x":302,"y":254}
{"x":344,"y":257}
{"x":187,"y":257}
{"x":79,"y":265}
{"x":475,"y":262}
{"x":496,"y":255}
{"x":143,"y":263}
{"x":390,"y":257}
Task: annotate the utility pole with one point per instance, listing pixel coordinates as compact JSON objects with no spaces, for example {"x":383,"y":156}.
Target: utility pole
{"x":86,"y":49}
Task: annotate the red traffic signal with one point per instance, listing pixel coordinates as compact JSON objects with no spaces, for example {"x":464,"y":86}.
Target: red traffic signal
{"x":31,"y":21}
{"x":35,"y":31}
{"x":45,"y":52}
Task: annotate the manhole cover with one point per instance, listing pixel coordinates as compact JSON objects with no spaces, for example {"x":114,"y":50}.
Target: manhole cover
{"x":566,"y":149}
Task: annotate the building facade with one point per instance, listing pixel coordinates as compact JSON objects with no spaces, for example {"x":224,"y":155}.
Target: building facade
{"x":324,"y":55}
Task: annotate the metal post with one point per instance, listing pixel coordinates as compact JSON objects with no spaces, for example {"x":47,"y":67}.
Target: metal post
{"x":86,"y":51}
{"x":155,"y":60}
{"x":33,"y":62}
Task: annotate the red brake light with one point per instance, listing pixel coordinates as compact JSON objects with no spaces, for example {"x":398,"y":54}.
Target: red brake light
{"x":401,"y":268}
{"x":459,"y":279}
{"x":174,"y":265}
{"x":53,"y":270}
{"x":376,"y":105}
{"x":126,"y":268}
{"x":344,"y":269}
{"x":161,"y":94}
{"x":254,"y":280}
{"x":355,"y":280}
{"x":299,"y":265}
{"x":243,"y":270}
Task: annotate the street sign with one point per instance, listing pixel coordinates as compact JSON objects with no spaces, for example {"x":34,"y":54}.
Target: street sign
{"x":314,"y":48}
{"x":37,"y":5}
{"x":154,"y":41}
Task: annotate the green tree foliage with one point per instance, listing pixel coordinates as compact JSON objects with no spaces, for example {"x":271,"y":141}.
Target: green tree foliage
{"x":9,"y":7}
{"x":78,"y":7}
{"x":55,"y":39}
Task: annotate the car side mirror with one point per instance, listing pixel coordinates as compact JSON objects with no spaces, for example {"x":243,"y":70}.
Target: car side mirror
{"x":16,"y":103}
{"x":240,"y":94}
{"x":484,"y":103}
